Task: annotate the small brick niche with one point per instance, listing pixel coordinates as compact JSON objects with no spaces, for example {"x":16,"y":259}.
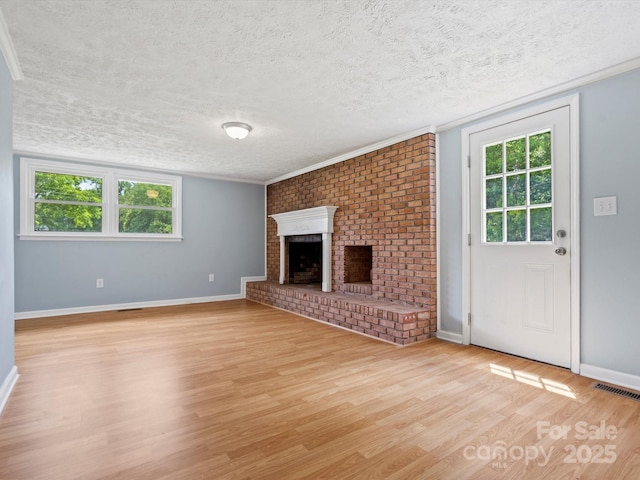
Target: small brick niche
{"x":358,"y":262}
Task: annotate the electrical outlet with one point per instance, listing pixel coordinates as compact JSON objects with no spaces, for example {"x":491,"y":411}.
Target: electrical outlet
{"x":605,"y":206}
{"x":99,"y":283}
{"x":211,"y":277}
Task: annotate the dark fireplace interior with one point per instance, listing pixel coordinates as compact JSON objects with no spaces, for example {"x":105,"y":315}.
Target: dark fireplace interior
{"x":358,"y":263}
{"x":305,"y":258}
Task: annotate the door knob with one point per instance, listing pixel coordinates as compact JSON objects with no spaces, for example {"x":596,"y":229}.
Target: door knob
{"x":561,"y":251}
{"x":561,"y":233}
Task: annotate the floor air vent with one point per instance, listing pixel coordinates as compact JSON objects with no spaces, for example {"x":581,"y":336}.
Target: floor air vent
{"x":617,"y":391}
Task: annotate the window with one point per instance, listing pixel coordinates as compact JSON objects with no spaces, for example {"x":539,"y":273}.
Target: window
{"x":517,"y":180}
{"x":144,"y":207}
{"x":67,"y":203}
{"x":78,"y":202}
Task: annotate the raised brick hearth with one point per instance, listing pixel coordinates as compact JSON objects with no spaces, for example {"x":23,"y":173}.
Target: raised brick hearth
{"x":393,"y":322}
{"x":385,"y":209}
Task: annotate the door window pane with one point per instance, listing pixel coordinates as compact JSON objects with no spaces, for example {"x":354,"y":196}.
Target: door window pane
{"x":493,"y":159}
{"x":540,"y":187}
{"x":494,"y":193}
{"x":541,"y":225}
{"x":517,"y":226}
{"x":516,"y":154}
{"x":540,"y":150}
{"x":494,"y":227}
{"x":517,"y":190}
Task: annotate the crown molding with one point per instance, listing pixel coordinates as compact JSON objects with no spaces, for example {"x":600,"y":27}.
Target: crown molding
{"x":64,"y":158}
{"x":603,"y":74}
{"x":354,"y":153}
{"x":8,"y":52}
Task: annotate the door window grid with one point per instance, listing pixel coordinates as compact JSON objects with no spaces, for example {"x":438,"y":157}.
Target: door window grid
{"x":517,"y":189}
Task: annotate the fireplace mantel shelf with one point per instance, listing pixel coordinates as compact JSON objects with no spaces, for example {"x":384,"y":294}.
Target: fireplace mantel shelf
{"x":307,"y":221}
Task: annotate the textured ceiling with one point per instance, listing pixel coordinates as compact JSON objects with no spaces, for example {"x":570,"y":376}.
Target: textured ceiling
{"x":149,"y":82}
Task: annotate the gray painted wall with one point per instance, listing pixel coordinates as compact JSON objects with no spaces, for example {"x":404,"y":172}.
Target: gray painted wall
{"x":7,"y":358}
{"x":223,"y":227}
{"x":610,"y":259}
{"x":450,"y":185}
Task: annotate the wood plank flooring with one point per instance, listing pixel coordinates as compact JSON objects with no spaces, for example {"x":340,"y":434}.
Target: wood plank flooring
{"x":239,"y":390}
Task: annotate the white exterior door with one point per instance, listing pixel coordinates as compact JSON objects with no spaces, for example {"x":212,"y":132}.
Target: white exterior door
{"x":520,"y":219}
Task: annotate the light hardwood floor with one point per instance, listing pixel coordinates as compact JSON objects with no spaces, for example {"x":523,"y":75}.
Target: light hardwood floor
{"x":238,"y":390}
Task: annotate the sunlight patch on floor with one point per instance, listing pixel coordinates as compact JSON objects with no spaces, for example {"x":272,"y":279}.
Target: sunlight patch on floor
{"x":532,"y":379}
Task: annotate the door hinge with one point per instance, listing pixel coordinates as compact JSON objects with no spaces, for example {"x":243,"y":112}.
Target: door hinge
{"x":469,"y":319}
{"x":468,"y":161}
{"x":469,"y":239}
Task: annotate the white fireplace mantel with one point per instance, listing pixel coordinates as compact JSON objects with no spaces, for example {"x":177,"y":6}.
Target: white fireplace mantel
{"x":310,"y":221}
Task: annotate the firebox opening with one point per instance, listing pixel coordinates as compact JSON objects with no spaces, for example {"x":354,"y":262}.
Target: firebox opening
{"x":305,"y":259}
{"x":358,"y":263}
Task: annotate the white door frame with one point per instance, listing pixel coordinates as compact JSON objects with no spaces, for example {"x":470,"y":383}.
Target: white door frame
{"x":573,"y":102}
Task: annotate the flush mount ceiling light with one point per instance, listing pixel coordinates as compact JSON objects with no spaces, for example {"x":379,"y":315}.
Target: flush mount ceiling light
{"x":236,"y":130}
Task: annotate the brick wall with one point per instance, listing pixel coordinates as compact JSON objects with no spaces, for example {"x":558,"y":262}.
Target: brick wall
{"x":386,"y":199}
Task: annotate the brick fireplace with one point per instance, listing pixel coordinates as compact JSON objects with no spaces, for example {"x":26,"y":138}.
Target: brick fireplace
{"x":317,"y":221}
{"x":383,"y":247}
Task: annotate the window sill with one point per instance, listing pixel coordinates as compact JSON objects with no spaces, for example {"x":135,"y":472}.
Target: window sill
{"x":98,"y":238}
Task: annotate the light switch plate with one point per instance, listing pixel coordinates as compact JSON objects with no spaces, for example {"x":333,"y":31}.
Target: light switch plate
{"x":605,"y":206}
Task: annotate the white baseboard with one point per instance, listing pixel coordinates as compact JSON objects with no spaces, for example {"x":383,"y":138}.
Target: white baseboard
{"x":7,"y":387}
{"x":243,"y":284}
{"x":124,"y":306}
{"x":610,"y":376}
{"x":449,"y":336}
